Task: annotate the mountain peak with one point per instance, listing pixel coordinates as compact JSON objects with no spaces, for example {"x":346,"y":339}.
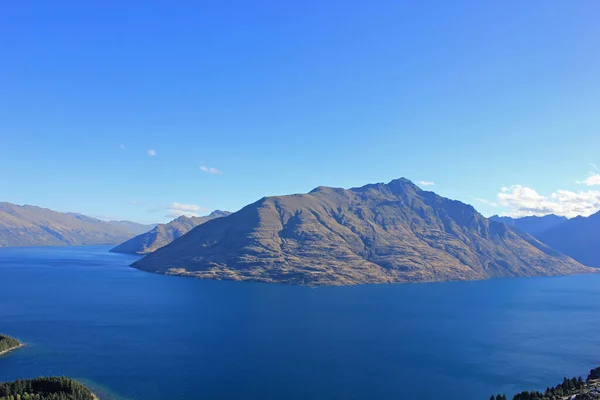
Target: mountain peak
{"x":403,"y":185}
{"x":219,"y":213}
{"x":402,"y":180}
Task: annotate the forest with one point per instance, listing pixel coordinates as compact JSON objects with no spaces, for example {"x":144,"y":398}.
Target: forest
{"x":583,"y":390}
{"x":52,"y":388}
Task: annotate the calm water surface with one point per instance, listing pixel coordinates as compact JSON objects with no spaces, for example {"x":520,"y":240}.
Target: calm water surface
{"x":134,"y":335}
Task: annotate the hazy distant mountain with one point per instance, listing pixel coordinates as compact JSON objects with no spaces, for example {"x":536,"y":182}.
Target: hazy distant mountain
{"x":378,"y":233}
{"x":579,"y":238}
{"x":163,"y":234}
{"x":133,"y":227}
{"x":36,"y":226}
{"x":532,"y":225}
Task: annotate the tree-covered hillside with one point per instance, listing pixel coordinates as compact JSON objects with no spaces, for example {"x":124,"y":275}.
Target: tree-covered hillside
{"x":574,"y":388}
{"x":54,"y":388}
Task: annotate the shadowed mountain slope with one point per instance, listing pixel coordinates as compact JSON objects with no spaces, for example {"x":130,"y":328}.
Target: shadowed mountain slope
{"x":377,"y":233}
{"x":579,"y":238}
{"x":532,"y":225}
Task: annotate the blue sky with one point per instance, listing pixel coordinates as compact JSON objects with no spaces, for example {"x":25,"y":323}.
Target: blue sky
{"x":143,"y":110}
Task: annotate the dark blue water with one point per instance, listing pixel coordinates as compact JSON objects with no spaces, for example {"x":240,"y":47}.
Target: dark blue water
{"x":134,"y":335}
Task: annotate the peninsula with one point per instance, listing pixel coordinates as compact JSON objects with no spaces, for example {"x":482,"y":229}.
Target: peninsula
{"x":8,"y":344}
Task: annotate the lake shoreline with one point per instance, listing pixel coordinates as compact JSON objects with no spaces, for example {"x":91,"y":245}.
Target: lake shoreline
{"x":198,"y":275}
{"x":3,"y":352}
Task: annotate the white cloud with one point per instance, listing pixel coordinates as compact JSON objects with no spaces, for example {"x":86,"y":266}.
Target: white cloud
{"x":523,"y":201}
{"x":175,"y":210}
{"x":592,"y":180}
{"x":211,"y":170}
{"x":427,"y":183}
{"x":151,"y":152}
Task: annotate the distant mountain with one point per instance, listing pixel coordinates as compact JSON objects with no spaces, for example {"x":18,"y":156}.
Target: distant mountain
{"x":377,"y":233}
{"x":532,"y":225}
{"x":130,"y":227}
{"x":579,"y":238}
{"x":35,"y":226}
{"x":133,"y":227}
{"x":163,"y":234}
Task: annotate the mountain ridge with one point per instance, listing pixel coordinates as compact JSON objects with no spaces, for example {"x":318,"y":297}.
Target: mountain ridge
{"x":27,"y":225}
{"x":163,"y":234}
{"x":534,"y":225}
{"x":578,"y":237}
{"x":377,"y":233}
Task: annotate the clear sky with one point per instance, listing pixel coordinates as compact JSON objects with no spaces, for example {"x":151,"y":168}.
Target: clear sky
{"x":142,"y":110}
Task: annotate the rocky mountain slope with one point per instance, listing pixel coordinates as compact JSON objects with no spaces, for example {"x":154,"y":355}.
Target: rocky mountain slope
{"x":163,"y":234}
{"x":377,"y":233}
{"x":35,"y":226}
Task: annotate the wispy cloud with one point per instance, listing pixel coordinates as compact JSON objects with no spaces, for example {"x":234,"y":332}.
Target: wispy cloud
{"x":427,"y":183}
{"x":122,"y":147}
{"x":133,"y":202}
{"x":211,"y":170}
{"x":486,"y":201}
{"x":175,"y":210}
{"x":151,"y":152}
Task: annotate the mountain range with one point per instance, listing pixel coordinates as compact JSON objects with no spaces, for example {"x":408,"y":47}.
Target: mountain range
{"x":372,"y":234}
{"x":35,"y":226}
{"x":533,"y":225}
{"x":578,"y":237}
{"x":163,"y":234}
{"x":378,"y":233}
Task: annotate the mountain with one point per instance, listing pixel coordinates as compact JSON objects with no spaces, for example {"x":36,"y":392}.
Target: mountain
{"x":128,"y":226}
{"x":163,"y":234}
{"x":579,"y":238}
{"x":378,"y":233}
{"x":532,"y":225}
{"x":133,"y":227}
{"x":35,"y":226}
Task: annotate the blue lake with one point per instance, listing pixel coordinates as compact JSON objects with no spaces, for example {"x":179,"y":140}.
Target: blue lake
{"x":134,"y":335}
